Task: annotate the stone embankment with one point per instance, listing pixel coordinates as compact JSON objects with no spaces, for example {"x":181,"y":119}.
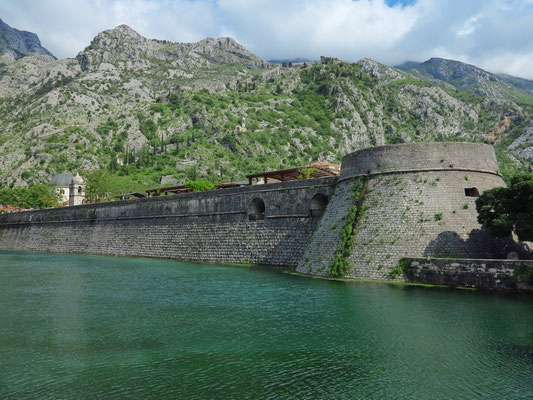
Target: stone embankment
{"x":502,"y":275}
{"x":262,"y":224}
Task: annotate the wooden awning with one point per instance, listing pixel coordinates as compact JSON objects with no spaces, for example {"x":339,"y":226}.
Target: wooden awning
{"x":165,"y":191}
{"x":133,"y":195}
{"x":319,"y":170}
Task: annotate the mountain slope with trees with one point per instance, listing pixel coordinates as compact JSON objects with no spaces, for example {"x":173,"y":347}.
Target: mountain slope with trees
{"x":147,"y":110}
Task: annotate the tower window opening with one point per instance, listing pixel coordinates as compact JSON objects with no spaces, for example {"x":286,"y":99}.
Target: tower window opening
{"x":471,"y":192}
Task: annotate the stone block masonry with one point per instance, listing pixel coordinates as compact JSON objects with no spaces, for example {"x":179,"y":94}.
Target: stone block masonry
{"x":504,"y":275}
{"x":418,"y":201}
{"x":327,"y":238}
{"x":206,"y":227}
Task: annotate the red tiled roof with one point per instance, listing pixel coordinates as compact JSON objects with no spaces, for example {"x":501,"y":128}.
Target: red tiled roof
{"x":12,"y":209}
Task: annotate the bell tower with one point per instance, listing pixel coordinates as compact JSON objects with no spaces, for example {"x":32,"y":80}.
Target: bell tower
{"x":77,"y":191}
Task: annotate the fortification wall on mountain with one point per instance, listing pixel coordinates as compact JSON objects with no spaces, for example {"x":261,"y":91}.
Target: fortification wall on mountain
{"x":417,"y":200}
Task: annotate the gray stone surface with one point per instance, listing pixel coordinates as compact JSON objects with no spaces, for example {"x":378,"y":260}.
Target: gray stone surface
{"x":415,"y":206}
{"x":420,"y":214}
{"x":327,"y":236}
{"x":209,"y":227}
{"x":420,"y":156}
{"x":482,"y":274}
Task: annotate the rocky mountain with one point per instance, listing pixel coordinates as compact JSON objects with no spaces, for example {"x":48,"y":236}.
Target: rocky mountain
{"x":466,"y":77}
{"x":152,"y":111}
{"x":17,"y":44}
{"x":524,"y":84}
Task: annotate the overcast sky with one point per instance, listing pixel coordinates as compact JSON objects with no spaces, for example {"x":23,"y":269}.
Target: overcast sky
{"x":493,"y":34}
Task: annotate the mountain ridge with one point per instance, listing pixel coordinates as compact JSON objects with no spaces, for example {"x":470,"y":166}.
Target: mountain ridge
{"x":20,"y":43}
{"x":468,"y":77}
{"x":149,"y":109}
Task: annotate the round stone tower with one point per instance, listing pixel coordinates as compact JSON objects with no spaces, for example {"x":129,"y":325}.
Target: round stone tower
{"x":415,"y":200}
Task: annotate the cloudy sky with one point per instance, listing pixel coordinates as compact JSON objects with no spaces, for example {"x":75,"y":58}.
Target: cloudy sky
{"x":493,"y":34}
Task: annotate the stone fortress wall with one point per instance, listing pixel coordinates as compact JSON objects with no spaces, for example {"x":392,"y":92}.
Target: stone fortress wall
{"x":212,"y":226}
{"x":418,"y":201}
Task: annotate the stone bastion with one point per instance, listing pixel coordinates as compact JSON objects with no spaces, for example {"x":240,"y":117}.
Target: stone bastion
{"x":416,"y":200}
{"x":413,"y":200}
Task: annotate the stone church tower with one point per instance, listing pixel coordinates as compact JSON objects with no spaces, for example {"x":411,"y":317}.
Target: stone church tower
{"x":77,"y":191}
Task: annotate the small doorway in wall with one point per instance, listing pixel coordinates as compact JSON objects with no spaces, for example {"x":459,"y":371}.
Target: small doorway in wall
{"x":318,"y":205}
{"x":257,"y":210}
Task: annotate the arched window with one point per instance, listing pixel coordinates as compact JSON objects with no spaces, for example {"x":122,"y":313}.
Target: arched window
{"x":257,"y":210}
{"x":318,"y":205}
{"x":79,"y":189}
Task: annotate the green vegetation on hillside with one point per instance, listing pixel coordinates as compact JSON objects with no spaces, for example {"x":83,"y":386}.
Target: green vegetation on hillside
{"x":156,"y":109}
{"x":37,"y":196}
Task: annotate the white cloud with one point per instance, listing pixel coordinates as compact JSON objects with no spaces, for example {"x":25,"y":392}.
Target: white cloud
{"x":511,"y":63}
{"x":483,"y":32}
{"x":469,"y":26}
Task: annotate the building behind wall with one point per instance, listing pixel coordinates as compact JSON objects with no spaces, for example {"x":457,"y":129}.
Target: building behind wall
{"x":62,"y":183}
{"x":76,"y":191}
{"x":70,"y":188}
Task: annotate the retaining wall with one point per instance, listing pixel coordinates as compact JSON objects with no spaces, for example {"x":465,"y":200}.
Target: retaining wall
{"x":505,"y":275}
{"x":210,"y":226}
{"x":418,"y":202}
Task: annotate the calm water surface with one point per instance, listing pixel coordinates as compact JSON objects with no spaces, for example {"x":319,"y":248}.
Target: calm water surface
{"x":100,"y":327}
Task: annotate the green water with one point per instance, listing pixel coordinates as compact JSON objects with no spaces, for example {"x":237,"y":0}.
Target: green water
{"x":100,"y":327}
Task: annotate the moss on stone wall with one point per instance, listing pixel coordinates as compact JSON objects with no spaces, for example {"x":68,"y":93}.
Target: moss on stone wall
{"x":340,"y":265}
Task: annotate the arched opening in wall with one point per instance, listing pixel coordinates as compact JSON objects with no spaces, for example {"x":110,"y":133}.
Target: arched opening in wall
{"x":79,"y":189}
{"x":257,"y":210}
{"x":471,"y":192}
{"x":318,"y":205}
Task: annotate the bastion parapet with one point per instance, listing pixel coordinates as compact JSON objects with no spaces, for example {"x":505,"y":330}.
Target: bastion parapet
{"x":444,"y":156}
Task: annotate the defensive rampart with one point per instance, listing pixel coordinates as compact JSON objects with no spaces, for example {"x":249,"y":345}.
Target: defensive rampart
{"x":414,"y":200}
{"x":418,"y":200}
{"x":226,"y":225}
{"x":503,"y":275}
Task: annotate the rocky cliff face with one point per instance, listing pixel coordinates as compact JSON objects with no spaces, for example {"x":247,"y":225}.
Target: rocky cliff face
{"x":149,"y":108}
{"x":18,"y":44}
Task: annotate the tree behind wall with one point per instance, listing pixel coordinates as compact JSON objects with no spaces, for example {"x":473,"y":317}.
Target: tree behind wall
{"x":38,"y":196}
{"x":507,"y":210}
